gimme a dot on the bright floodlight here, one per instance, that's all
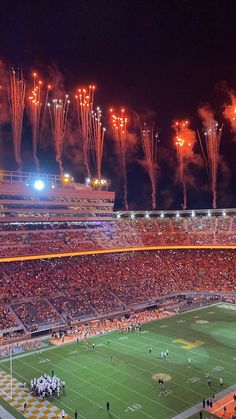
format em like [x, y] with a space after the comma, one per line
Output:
[39, 185]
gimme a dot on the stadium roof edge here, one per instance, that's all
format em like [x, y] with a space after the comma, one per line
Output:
[160, 213]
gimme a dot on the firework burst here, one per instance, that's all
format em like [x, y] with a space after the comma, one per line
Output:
[149, 143]
[58, 110]
[17, 105]
[97, 139]
[184, 141]
[212, 135]
[230, 110]
[119, 128]
[84, 105]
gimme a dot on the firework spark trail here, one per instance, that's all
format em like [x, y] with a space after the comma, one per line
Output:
[58, 110]
[35, 105]
[230, 110]
[212, 136]
[149, 142]
[44, 108]
[38, 99]
[97, 139]
[4, 93]
[17, 104]
[184, 141]
[119, 127]
[84, 105]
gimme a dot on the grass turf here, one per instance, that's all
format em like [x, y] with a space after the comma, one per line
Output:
[121, 373]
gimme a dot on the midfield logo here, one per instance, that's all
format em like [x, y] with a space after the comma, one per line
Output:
[188, 345]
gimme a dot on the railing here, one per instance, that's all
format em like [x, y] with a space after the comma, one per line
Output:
[24, 177]
[175, 213]
[55, 180]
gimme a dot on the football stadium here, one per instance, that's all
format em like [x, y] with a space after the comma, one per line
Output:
[120, 314]
[117, 209]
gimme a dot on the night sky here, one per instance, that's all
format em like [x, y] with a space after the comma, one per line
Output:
[159, 59]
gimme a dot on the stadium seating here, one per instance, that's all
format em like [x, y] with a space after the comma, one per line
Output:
[47, 292]
[119, 233]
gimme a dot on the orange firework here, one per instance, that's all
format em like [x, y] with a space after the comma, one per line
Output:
[84, 105]
[230, 110]
[119, 128]
[58, 110]
[212, 136]
[17, 105]
[97, 139]
[36, 99]
[149, 142]
[184, 141]
[35, 105]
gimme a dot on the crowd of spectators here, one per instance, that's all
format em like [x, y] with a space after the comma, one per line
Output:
[10, 343]
[63, 290]
[119, 233]
[7, 319]
[128, 323]
[36, 313]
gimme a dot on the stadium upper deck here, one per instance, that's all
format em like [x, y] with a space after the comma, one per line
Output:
[44, 215]
[30, 197]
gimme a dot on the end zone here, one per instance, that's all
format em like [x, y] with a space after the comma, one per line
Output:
[227, 402]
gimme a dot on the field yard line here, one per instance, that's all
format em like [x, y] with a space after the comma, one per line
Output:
[210, 344]
[170, 370]
[219, 408]
[64, 404]
[68, 407]
[225, 336]
[199, 308]
[24, 354]
[200, 354]
[95, 385]
[141, 369]
[134, 377]
[20, 375]
[195, 409]
[230, 337]
[148, 337]
[203, 355]
[138, 379]
[123, 385]
[48, 348]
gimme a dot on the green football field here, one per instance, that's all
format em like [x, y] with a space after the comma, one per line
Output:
[123, 372]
